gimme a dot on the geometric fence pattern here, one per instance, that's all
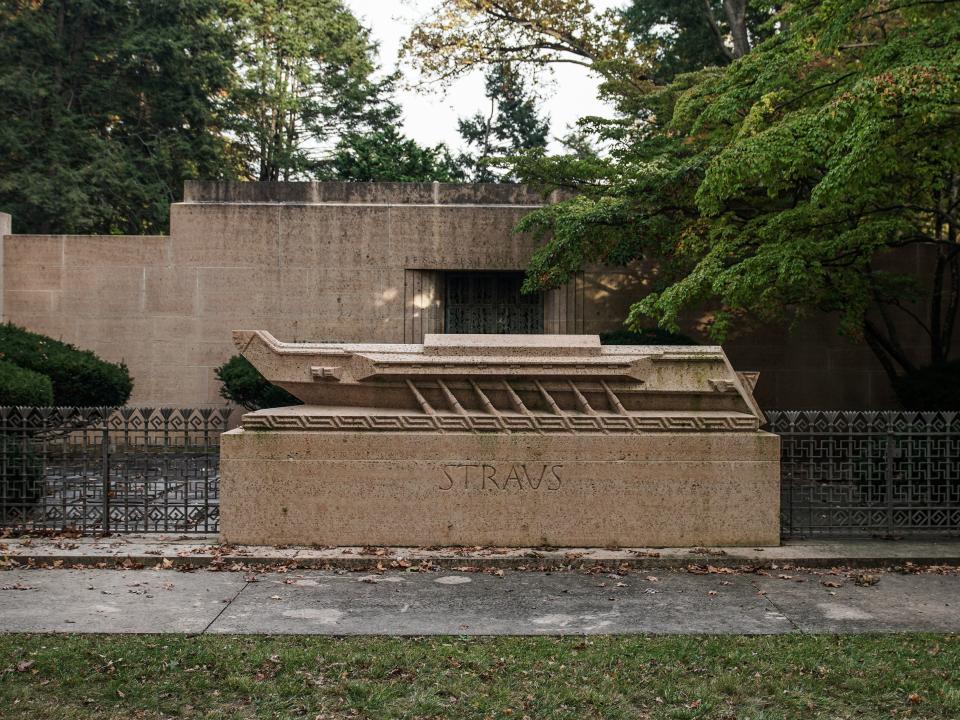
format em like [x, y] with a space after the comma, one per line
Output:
[101, 470]
[885, 473]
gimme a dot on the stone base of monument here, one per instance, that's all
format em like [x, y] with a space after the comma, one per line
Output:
[424, 489]
[505, 440]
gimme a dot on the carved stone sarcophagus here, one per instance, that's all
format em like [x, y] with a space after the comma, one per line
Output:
[500, 440]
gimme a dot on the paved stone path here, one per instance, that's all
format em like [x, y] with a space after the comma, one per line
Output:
[529, 603]
[198, 550]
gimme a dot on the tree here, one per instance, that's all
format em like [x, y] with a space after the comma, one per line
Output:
[243, 384]
[108, 106]
[386, 155]
[510, 127]
[460, 35]
[376, 150]
[694, 34]
[578, 142]
[305, 69]
[789, 182]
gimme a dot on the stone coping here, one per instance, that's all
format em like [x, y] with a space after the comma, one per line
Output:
[392, 193]
[201, 550]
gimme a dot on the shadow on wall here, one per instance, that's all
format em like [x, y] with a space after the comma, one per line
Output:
[809, 366]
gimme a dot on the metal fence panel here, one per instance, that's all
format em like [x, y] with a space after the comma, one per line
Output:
[99, 470]
[96, 470]
[884, 473]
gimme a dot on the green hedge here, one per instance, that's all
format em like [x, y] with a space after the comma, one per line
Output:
[244, 385]
[78, 377]
[19, 386]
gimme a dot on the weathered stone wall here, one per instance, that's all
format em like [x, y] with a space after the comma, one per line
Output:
[350, 262]
[5, 229]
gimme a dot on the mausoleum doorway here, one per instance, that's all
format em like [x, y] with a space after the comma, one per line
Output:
[483, 302]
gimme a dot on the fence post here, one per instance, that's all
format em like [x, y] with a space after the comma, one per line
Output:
[105, 474]
[891, 454]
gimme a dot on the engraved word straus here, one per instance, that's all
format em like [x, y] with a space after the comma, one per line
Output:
[517, 477]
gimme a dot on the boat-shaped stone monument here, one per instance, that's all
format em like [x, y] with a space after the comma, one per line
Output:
[505, 440]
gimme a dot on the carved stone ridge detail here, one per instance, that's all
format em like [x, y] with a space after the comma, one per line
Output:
[326, 373]
[723, 386]
[488, 423]
[501, 383]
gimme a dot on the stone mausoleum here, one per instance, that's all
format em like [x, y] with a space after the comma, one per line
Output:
[376, 262]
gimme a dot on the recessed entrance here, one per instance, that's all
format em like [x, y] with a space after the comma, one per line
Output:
[490, 303]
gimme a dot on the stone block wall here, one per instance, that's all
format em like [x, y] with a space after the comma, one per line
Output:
[348, 262]
[6, 228]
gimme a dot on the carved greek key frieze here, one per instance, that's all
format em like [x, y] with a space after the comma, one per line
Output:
[493, 424]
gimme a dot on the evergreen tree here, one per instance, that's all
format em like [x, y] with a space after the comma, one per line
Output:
[305, 69]
[578, 143]
[108, 105]
[386, 155]
[512, 126]
[376, 150]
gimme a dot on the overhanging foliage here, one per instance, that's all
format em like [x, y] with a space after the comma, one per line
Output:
[793, 180]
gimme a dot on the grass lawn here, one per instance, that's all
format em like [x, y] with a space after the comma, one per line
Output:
[153, 676]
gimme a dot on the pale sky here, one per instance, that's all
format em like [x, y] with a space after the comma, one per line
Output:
[431, 117]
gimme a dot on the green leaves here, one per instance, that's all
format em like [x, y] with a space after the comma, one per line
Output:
[243, 384]
[383, 154]
[511, 127]
[67, 376]
[304, 71]
[108, 106]
[793, 180]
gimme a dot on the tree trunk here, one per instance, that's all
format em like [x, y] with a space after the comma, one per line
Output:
[736, 11]
[886, 346]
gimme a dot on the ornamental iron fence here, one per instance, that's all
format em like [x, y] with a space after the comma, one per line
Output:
[886, 473]
[103, 470]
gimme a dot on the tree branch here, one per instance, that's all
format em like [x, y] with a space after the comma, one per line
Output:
[715, 28]
[890, 348]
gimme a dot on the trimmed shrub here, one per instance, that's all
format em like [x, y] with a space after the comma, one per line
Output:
[21, 470]
[78, 377]
[935, 387]
[646, 336]
[244, 385]
[19, 386]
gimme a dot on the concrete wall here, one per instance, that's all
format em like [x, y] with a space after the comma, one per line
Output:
[6, 228]
[350, 262]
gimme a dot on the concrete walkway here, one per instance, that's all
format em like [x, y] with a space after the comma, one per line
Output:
[202, 550]
[714, 600]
